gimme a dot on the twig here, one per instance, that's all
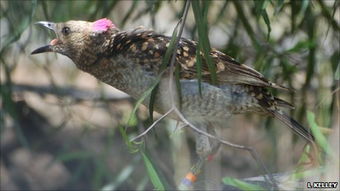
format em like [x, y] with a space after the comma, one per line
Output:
[249, 149]
[151, 126]
[179, 126]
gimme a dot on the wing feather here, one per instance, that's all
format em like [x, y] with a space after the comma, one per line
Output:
[148, 48]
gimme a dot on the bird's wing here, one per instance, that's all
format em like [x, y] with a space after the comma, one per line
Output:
[148, 48]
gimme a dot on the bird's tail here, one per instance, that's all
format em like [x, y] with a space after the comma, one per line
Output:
[292, 124]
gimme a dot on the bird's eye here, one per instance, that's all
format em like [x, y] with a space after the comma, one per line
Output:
[65, 30]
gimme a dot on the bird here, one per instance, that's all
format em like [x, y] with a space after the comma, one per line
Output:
[130, 60]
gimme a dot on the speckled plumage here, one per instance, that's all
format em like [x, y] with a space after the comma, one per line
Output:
[130, 61]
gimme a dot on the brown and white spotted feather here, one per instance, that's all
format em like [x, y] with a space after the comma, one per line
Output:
[147, 49]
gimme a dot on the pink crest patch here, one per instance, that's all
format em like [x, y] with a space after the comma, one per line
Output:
[102, 25]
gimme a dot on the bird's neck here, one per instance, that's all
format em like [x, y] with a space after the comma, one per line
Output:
[114, 68]
[89, 54]
[121, 73]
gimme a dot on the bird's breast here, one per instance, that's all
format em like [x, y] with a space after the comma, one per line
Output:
[212, 104]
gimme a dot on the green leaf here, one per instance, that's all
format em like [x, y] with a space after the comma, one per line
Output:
[178, 84]
[155, 179]
[298, 175]
[165, 63]
[200, 14]
[132, 147]
[337, 73]
[129, 13]
[242, 185]
[279, 5]
[19, 15]
[319, 137]
[74, 155]
[301, 46]
[222, 11]
[246, 24]
[334, 59]
[133, 120]
[260, 8]
[123, 175]
[304, 6]
[199, 70]
[140, 101]
[267, 21]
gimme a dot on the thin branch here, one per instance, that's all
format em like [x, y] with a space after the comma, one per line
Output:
[151, 126]
[180, 115]
[252, 151]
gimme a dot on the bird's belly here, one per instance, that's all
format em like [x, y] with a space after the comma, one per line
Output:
[213, 104]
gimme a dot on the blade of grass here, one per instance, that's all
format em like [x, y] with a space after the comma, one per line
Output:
[129, 13]
[198, 69]
[242, 185]
[178, 84]
[153, 175]
[19, 17]
[69, 156]
[301, 46]
[294, 6]
[298, 175]
[267, 21]
[99, 172]
[337, 73]
[109, 8]
[131, 146]
[9, 105]
[140, 101]
[246, 24]
[310, 21]
[221, 12]
[319, 137]
[165, 63]
[260, 8]
[142, 184]
[326, 13]
[122, 176]
[200, 14]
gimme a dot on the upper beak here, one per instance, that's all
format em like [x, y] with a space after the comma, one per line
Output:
[47, 48]
[46, 24]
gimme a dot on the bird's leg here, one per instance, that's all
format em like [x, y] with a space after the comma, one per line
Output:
[214, 144]
[205, 149]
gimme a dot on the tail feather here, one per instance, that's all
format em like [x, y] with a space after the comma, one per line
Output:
[283, 103]
[292, 124]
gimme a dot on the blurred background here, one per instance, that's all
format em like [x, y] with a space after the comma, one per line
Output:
[63, 129]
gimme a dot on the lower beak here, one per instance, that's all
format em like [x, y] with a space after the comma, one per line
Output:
[47, 48]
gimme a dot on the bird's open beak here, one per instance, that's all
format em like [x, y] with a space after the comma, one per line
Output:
[47, 48]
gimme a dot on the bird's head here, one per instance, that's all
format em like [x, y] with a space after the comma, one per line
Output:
[79, 40]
